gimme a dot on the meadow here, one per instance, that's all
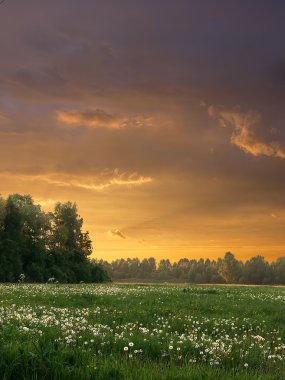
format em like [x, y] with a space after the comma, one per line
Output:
[111, 331]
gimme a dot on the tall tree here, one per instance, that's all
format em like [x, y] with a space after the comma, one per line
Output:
[67, 229]
[230, 268]
[27, 225]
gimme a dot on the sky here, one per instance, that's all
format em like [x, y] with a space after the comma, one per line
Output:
[163, 120]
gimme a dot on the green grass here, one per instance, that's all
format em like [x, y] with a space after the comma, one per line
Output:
[141, 332]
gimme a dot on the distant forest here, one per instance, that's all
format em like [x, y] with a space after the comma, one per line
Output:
[44, 247]
[227, 270]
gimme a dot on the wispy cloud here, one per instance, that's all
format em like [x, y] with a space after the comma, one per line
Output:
[99, 182]
[116, 233]
[244, 135]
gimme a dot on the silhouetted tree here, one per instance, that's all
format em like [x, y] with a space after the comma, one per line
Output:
[278, 271]
[257, 271]
[230, 268]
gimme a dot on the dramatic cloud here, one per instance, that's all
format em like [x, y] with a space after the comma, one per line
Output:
[244, 135]
[97, 118]
[116, 232]
[81, 96]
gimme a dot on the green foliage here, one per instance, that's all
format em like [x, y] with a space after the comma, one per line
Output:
[10, 260]
[44, 245]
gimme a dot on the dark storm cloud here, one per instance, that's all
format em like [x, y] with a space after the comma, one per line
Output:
[65, 48]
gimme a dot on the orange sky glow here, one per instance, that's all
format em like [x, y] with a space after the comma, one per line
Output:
[165, 126]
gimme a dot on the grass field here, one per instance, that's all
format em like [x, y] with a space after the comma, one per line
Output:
[141, 332]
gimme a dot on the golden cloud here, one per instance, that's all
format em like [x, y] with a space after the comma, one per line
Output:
[45, 202]
[99, 118]
[90, 118]
[244, 135]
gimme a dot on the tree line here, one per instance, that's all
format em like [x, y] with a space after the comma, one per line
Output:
[223, 270]
[37, 246]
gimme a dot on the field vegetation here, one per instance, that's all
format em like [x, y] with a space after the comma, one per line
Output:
[109, 331]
